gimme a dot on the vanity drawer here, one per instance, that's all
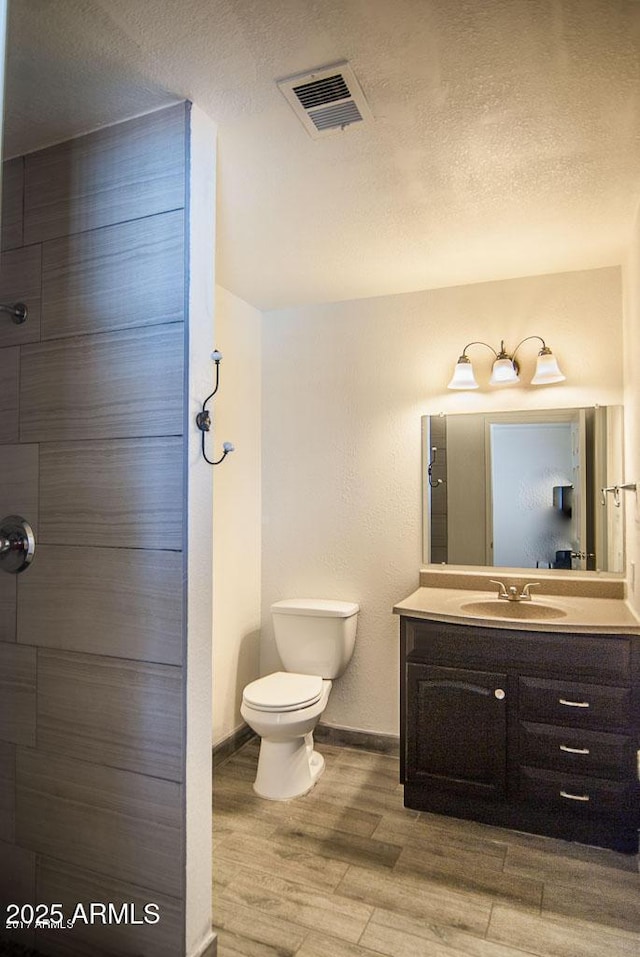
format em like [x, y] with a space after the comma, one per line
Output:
[573, 704]
[605, 659]
[577, 751]
[581, 794]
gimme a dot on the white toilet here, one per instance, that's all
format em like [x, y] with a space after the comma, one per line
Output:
[315, 639]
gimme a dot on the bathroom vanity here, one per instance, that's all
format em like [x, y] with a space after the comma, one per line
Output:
[523, 722]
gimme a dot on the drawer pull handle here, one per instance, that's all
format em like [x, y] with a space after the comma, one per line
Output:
[574, 797]
[564, 747]
[573, 704]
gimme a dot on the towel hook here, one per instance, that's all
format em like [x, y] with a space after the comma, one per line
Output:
[434, 455]
[203, 418]
[615, 491]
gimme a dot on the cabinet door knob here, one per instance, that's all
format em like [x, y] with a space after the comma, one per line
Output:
[500, 694]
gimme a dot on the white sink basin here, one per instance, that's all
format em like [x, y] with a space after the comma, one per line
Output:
[522, 610]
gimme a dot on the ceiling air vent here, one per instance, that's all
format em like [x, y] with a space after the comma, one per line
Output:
[327, 100]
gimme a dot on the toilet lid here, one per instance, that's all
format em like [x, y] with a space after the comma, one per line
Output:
[283, 691]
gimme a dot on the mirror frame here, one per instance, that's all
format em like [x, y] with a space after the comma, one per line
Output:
[557, 414]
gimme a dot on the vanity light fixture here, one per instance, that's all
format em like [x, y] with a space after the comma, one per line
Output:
[505, 369]
[18, 312]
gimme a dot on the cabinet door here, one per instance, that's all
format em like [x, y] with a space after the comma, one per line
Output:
[456, 729]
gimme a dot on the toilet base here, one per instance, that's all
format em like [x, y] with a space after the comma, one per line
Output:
[287, 769]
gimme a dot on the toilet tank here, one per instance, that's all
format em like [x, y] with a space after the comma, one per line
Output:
[315, 636]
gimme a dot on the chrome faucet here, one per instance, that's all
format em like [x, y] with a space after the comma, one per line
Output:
[511, 594]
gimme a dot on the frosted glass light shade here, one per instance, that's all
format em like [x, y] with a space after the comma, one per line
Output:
[463, 377]
[503, 373]
[547, 369]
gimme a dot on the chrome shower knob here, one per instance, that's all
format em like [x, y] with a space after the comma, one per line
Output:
[17, 544]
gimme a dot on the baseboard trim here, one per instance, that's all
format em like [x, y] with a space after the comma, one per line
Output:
[208, 949]
[360, 740]
[224, 749]
[324, 733]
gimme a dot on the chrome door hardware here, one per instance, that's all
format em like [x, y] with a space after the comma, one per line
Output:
[17, 544]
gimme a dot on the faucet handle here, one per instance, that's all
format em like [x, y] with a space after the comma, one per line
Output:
[501, 586]
[525, 591]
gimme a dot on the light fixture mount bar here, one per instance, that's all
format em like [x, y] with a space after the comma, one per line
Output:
[476, 342]
[505, 368]
[545, 351]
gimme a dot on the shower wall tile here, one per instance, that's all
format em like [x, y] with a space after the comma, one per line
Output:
[59, 882]
[8, 588]
[12, 199]
[438, 531]
[9, 378]
[118, 173]
[438, 555]
[21, 281]
[7, 792]
[17, 886]
[19, 482]
[104, 601]
[126, 492]
[17, 874]
[89, 707]
[17, 693]
[18, 496]
[125, 825]
[131, 274]
[126, 383]
[92, 637]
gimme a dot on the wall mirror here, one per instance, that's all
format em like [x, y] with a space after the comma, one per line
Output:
[523, 489]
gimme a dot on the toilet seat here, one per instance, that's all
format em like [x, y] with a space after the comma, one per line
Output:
[283, 691]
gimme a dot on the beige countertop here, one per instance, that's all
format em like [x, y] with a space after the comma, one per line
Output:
[581, 614]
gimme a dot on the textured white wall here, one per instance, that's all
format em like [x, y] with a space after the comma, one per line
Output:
[236, 510]
[632, 410]
[198, 659]
[344, 386]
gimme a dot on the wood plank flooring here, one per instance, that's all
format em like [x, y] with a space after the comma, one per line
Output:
[347, 871]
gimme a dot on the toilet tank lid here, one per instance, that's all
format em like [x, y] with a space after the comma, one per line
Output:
[318, 607]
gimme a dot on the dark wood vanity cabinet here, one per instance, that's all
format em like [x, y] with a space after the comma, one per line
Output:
[465, 711]
[530, 730]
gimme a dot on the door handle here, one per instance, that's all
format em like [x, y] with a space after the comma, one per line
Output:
[564, 747]
[573, 704]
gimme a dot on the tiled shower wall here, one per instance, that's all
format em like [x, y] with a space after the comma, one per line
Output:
[438, 493]
[92, 635]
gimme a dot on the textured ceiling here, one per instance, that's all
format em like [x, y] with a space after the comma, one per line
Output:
[505, 141]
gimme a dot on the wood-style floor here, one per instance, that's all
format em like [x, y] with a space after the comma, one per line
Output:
[347, 871]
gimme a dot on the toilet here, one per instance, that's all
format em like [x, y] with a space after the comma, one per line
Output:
[315, 639]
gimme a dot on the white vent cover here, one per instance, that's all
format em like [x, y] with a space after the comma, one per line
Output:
[327, 100]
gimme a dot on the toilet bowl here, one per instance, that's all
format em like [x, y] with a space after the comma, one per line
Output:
[315, 639]
[288, 766]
